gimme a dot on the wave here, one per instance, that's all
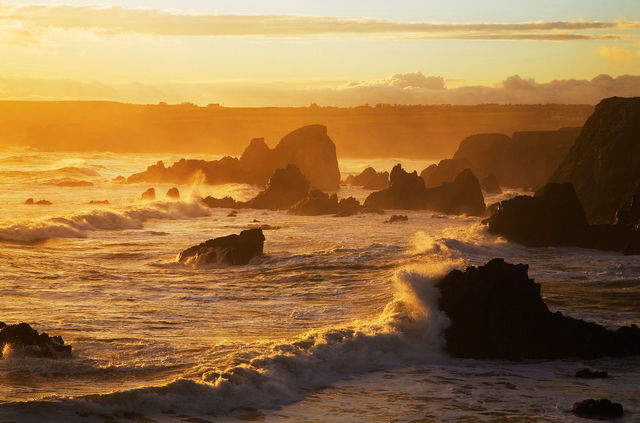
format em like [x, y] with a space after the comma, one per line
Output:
[78, 226]
[409, 331]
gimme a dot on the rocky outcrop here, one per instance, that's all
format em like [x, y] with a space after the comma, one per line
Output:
[604, 163]
[27, 341]
[445, 171]
[369, 179]
[149, 195]
[496, 312]
[309, 148]
[30, 201]
[232, 249]
[319, 203]
[490, 184]
[555, 217]
[526, 160]
[596, 409]
[173, 193]
[408, 192]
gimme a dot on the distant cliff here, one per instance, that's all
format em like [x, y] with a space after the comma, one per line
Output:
[604, 163]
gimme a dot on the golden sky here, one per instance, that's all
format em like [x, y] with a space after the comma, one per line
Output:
[254, 53]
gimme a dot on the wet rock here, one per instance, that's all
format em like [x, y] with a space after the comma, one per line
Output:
[370, 179]
[224, 203]
[397, 218]
[490, 184]
[497, 312]
[149, 195]
[629, 215]
[29, 342]
[285, 188]
[445, 171]
[590, 374]
[231, 249]
[173, 193]
[591, 408]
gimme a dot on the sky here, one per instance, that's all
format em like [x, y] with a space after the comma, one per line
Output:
[298, 52]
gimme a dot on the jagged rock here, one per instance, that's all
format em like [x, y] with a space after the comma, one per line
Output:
[308, 148]
[370, 179]
[591, 408]
[173, 193]
[604, 163]
[408, 192]
[490, 184]
[319, 203]
[149, 195]
[285, 188]
[30, 342]
[232, 249]
[397, 218]
[445, 171]
[497, 312]
[589, 374]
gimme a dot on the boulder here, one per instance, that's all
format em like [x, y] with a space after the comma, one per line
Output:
[490, 184]
[590, 374]
[232, 249]
[445, 171]
[602, 408]
[496, 312]
[173, 193]
[149, 195]
[29, 342]
[370, 179]
[319, 203]
[604, 162]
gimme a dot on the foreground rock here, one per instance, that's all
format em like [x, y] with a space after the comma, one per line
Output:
[28, 341]
[408, 192]
[497, 312]
[555, 217]
[309, 148]
[604, 163]
[369, 179]
[231, 249]
[597, 408]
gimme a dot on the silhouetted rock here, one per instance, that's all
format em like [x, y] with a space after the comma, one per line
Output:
[308, 148]
[43, 202]
[589, 374]
[604, 163]
[319, 203]
[29, 201]
[591, 408]
[490, 184]
[28, 341]
[555, 217]
[149, 195]
[629, 215]
[232, 249]
[408, 192]
[232, 213]
[497, 312]
[74, 183]
[99, 202]
[285, 188]
[526, 160]
[173, 193]
[370, 179]
[397, 218]
[445, 171]
[225, 202]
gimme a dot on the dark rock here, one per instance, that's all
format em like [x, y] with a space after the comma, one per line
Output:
[99, 202]
[29, 201]
[589, 374]
[173, 193]
[224, 203]
[319, 203]
[43, 202]
[408, 192]
[370, 179]
[445, 171]
[490, 184]
[74, 183]
[397, 218]
[629, 215]
[497, 312]
[285, 188]
[232, 249]
[232, 213]
[149, 195]
[591, 408]
[30, 342]
[309, 148]
[604, 163]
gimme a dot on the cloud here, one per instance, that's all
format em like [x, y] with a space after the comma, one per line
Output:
[404, 80]
[617, 55]
[119, 20]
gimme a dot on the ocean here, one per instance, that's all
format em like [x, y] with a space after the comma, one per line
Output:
[336, 323]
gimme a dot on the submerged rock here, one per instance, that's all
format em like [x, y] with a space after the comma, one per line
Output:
[28, 341]
[231, 249]
[590, 374]
[591, 408]
[173, 193]
[149, 195]
[370, 179]
[497, 312]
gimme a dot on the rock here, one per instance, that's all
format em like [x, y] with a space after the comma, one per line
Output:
[604, 163]
[497, 312]
[629, 215]
[173, 193]
[408, 192]
[555, 217]
[232, 249]
[74, 183]
[319, 203]
[224, 203]
[26, 339]
[397, 218]
[232, 213]
[589, 374]
[29, 201]
[591, 408]
[43, 202]
[99, 202]
[526, 160]
[370, 179]
[308, 148]
[445, 171]
[285, 188]
[149, 195]
[490, 184]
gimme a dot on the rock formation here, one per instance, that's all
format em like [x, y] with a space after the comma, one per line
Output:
[309, 148]
[319, 203]
[604, 163]
[369, 179]
[231, 249]
[29, 342]
[602, 408]
[490, 184]
[408, 192]
[173, 193]
[149, 195]
[497, 312]
[445, 171]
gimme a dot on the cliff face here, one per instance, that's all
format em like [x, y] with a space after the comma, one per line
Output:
[604, 163]
[526, 160]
